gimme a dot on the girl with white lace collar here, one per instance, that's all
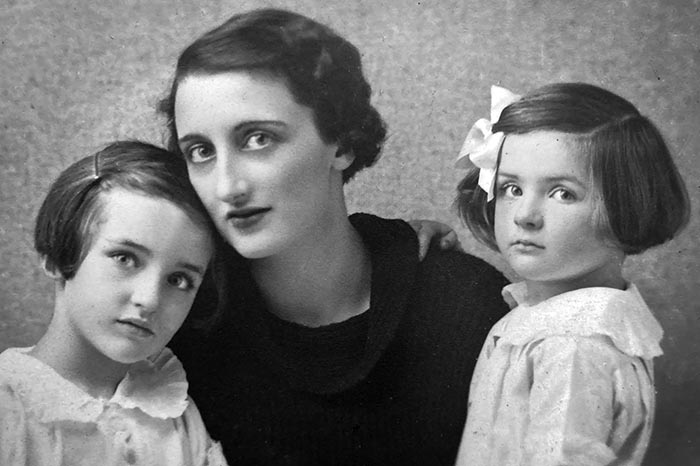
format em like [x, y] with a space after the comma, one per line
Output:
[565, 182]
[127, 241]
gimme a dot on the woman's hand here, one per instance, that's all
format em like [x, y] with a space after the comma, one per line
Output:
[435, 233]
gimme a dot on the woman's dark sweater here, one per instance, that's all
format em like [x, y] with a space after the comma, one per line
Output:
[389, 386]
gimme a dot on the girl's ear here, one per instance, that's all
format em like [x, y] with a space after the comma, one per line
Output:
[50, 270]
[343, 159]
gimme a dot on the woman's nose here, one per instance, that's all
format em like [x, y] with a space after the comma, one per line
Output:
[529, 214]
[232, 185]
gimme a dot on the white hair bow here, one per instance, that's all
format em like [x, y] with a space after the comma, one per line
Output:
[481, 146]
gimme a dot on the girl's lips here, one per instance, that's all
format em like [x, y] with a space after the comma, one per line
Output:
[526, 246]
[135, 327]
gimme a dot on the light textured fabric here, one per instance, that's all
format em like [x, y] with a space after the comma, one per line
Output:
[568, 381]
[46, 420]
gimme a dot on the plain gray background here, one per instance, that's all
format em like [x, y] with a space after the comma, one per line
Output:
[75, 75]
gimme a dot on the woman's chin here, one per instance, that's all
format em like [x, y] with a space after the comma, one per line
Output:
[253, 248]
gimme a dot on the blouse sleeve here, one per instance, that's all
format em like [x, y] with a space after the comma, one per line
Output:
[205, 451]
[571, 402]
[13, 442]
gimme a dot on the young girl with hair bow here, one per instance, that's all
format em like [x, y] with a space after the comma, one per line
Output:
[566, 182]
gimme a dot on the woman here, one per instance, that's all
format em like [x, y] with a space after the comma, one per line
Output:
[336, 346]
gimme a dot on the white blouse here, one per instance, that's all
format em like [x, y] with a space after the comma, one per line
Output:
[568, 381]
[46, 420]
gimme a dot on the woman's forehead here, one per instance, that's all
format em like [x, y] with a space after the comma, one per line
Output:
[206, 102]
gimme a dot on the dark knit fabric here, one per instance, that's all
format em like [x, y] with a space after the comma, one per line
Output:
[389, 386]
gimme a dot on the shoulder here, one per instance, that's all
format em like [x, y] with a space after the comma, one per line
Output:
[10, 387]
[619, 315]
[11, 403]
[13, 411]
[194, 427]
[460, 274]
[564, 364]
[593, 353]
[22, 381]
[13, 426]
[458, 262]
[203, 449]
[16, 367]
[10, 399]
[460, 292]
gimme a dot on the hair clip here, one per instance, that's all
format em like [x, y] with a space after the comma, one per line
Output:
[96, 166]
[481, 146]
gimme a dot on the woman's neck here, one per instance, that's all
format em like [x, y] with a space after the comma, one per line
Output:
[326, 280]
[76, 360]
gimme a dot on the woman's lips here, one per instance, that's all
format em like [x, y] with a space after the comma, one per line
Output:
[246, 218]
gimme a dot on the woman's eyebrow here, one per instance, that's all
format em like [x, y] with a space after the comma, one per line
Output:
[191, 267]
[190, 137]
[239, 127]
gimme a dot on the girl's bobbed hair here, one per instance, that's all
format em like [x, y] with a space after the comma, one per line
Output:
[322, 70]
[644, 199]
[71, 211]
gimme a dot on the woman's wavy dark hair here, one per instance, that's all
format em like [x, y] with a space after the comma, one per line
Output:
[644, 200]
[322, 69]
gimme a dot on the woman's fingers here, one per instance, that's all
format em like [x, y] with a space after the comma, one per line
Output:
[430, 231]
[450, 242]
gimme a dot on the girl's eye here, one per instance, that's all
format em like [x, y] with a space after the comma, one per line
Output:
[181, 281]
[563, 195]
[199, 153]
[257, 141]
[510, 190]
[124, 259]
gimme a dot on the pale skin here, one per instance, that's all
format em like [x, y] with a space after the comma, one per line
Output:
[545, 215]
[274, 189]
[130, 294]
[251, 146]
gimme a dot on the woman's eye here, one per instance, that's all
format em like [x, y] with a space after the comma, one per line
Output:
[510, 190]
[181, 282]
[257, 141]
[199, 153]
[124, 259]
[563, 195]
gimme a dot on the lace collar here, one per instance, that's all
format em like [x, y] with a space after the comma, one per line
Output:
[157, 386]
[621, 315]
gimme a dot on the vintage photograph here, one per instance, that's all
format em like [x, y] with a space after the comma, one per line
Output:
[372, 232]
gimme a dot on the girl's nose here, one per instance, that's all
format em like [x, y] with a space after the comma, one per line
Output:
[232, 185]
[147, 291]
[529, 214]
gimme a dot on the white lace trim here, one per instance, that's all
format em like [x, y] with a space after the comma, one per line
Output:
[157, 386]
